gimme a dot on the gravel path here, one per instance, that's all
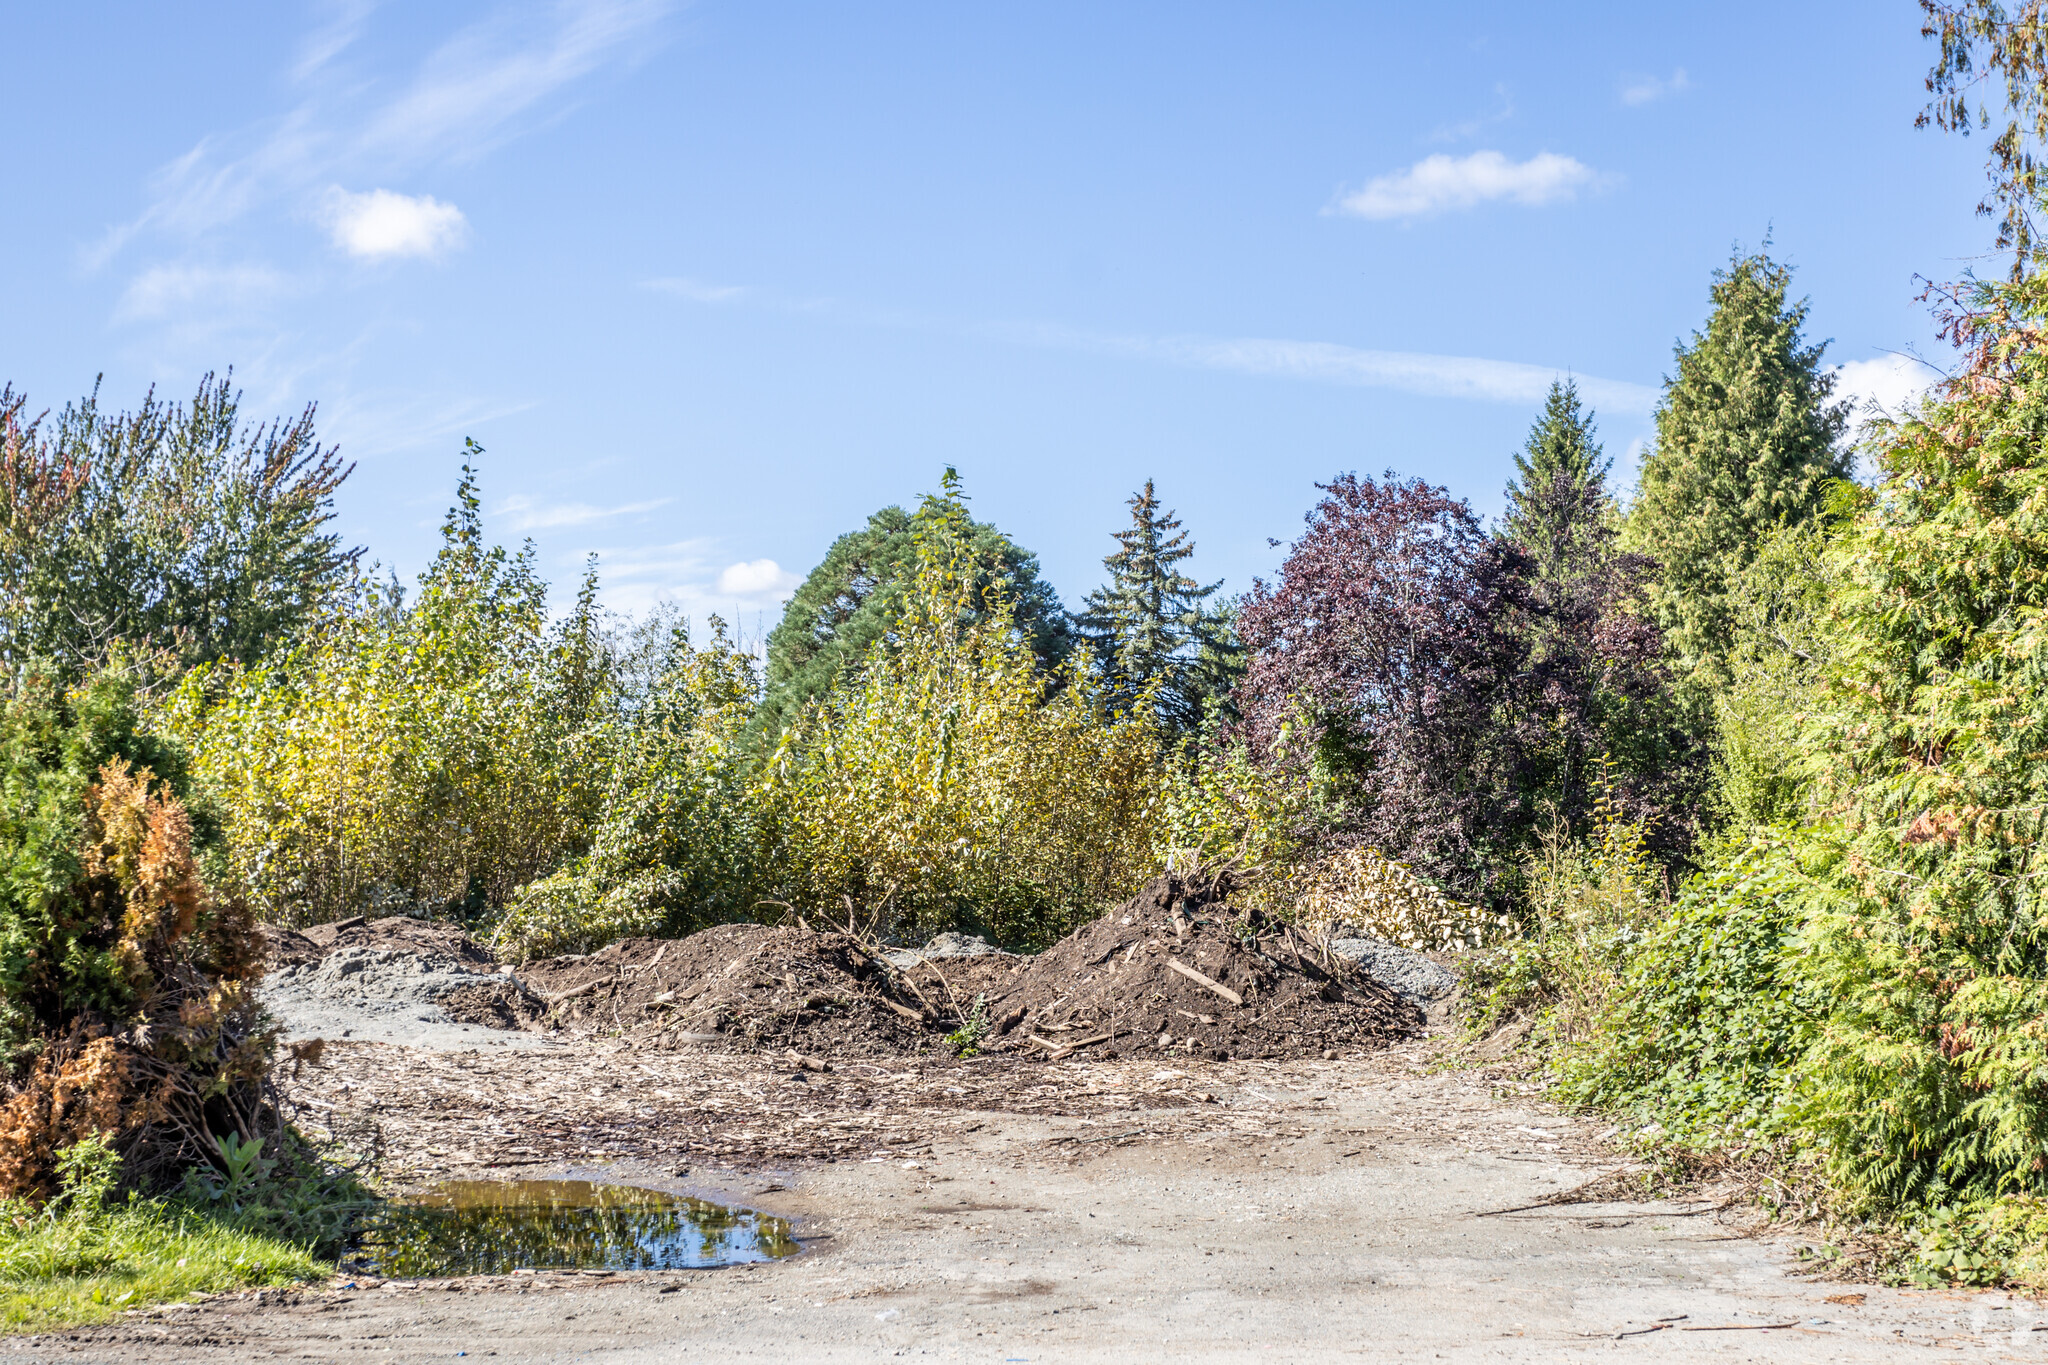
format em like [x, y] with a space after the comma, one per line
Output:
[1303, 1211]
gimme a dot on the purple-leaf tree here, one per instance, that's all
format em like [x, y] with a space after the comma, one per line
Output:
[1383, 654]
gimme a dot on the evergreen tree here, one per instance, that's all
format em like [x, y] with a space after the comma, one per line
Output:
[1557, 474]
[1746, 442]
[1149, 624]
[848, 602]
[1588, 706]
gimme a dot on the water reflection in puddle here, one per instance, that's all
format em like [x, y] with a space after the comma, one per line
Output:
[491, 1227]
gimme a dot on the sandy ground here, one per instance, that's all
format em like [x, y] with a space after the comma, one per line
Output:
[1304, 1211]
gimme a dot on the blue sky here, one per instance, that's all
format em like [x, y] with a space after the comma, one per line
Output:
[712, 282]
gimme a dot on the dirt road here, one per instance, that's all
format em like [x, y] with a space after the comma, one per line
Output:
[1307, 1211]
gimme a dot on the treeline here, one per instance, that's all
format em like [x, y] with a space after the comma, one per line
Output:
[1743, 769]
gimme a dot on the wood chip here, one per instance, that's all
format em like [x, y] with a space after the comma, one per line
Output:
[1191, 974]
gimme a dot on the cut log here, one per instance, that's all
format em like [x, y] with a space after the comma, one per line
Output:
[1191, 974]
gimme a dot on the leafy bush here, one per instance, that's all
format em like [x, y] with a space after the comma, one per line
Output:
[1591, 904]
[677, 843]
[430, 757]
[951, 783]
[172, 528]
[1711, 1016]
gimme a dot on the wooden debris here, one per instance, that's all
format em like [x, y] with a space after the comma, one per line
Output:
[1191, 974]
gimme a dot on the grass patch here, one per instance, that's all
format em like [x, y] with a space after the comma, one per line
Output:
[85, 1256]
[70, 1266]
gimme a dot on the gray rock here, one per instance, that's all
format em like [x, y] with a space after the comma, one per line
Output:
[948, 944]
[1407, 974]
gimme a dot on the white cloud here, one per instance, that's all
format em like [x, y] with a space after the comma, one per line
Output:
[1649, 89]
[177, 291]
[384, 223]
[634, 579]
[1441, 182]
[1888, 384]
[530, 514]
[758, 578]
[695, 290]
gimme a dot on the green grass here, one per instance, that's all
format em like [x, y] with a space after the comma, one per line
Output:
[68, 1268]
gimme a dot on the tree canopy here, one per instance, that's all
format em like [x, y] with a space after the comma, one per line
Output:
[849, 601]
[1747, 441]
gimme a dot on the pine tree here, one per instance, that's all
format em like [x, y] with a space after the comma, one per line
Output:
[1557, 474]
[1149, 624]
[1746, 442]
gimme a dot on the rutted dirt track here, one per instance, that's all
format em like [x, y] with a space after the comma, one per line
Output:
[1065, 1211]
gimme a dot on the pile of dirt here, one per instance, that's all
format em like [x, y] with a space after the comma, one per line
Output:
[1177, 971]
[1174, 972]
[756, 987]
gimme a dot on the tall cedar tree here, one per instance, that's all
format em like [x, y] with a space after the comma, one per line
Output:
[1149, 626]
[170, 528]
[1746, 442]
[1592, 703]
[1377, 664]
[848, 602]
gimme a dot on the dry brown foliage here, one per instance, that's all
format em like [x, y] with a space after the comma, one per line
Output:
[193, 1060]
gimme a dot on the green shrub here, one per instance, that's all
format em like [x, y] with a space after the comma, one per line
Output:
[426, 758]
[677, 844]
[126, 1004]
[949, 782]
[1711, 1015]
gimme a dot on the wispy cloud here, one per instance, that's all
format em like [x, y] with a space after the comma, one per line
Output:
[1473, 127]
[344, 24]
[474, 90]
[1438, 183]
[696, 290]
[1641, 90]
[485, 84]
[1441, 376]
[165, 291]
[382, 223]
[531, 514]
[1419, 372]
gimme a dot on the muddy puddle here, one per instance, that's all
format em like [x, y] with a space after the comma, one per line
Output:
[493, 1227]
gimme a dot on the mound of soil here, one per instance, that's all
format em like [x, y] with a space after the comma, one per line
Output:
[1175, 970]
[755, 987]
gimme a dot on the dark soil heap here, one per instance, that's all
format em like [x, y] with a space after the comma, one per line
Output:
[755, 986]
[1176, 970]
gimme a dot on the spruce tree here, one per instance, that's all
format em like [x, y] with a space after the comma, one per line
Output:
[1747, 441]
[1557, 474]
[1149, 624]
